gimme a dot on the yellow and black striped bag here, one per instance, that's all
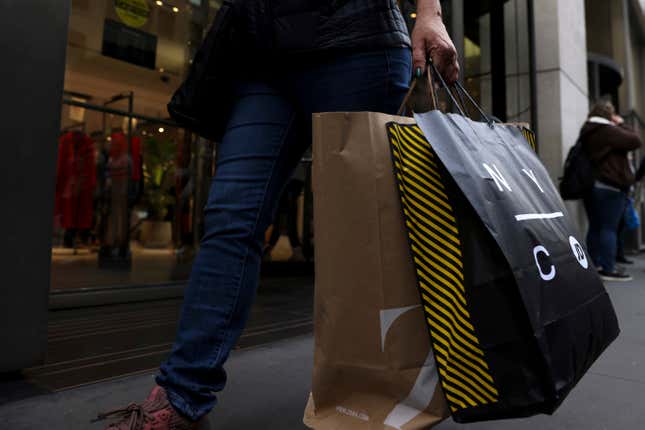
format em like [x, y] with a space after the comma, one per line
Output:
[449, 278]
[516, 312]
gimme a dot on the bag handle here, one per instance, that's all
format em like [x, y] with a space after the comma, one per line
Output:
[461, 91]
[413, 87]
[433, 75]
[431, 90]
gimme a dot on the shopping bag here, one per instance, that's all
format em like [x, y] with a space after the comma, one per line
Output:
[516, 312]
[373, 365]
[632, 220]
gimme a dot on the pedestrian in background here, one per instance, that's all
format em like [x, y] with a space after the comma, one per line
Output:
[351, 55]
[607, 142]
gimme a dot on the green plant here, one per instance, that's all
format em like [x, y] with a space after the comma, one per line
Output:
[159, 176]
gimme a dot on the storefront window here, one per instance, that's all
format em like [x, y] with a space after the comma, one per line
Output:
[128, 180]
[130, 184]
[497, 58]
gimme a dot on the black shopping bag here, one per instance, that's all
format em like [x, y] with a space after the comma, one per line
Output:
[516, 311]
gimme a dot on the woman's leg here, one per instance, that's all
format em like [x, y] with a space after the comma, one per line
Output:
[609, 207]
[620, 238]
[254, 161]
[593, 229]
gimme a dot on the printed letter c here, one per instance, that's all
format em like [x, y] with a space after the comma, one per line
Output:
[546, 276]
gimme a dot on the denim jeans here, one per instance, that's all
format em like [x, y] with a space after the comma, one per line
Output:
[605, 208]
[267, 134]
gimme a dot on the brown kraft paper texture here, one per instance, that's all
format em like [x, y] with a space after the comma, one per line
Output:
[373, 366]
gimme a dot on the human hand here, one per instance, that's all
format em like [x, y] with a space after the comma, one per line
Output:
[430, 39]
[617, 119]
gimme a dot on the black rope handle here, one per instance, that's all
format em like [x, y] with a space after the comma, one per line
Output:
[461, 92]
[445, 87]
[433, 75]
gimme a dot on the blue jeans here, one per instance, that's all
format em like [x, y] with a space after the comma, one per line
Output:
[267, 134]
[605, 208]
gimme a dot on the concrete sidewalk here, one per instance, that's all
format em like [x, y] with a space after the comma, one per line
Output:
[269, 386]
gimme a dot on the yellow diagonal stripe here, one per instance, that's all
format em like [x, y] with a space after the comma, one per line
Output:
[436, 181]
[436, 251]
[431, 223]
[466, 347]
[437, 247]
[456, 368]
[442, 284]
[448, 305]
[417, 168]
[530, 137]
[474, 372]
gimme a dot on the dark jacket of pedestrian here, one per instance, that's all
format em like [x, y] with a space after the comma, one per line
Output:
[607, 146]
[298, 26]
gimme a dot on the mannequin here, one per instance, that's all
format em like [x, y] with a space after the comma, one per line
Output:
[75, 183]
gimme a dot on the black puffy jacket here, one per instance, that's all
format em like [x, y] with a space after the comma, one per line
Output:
[301, 26]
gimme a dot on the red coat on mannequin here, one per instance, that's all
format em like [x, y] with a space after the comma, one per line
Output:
[75, 182]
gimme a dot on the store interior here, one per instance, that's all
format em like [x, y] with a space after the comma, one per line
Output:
[130, 184]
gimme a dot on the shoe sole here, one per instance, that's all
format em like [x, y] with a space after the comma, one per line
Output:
[612, 279]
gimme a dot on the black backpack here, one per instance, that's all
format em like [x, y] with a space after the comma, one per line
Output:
[579, 176]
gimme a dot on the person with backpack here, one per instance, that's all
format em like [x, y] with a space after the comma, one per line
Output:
[606, 142]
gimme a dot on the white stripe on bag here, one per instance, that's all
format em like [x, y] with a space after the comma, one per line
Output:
[527, 217]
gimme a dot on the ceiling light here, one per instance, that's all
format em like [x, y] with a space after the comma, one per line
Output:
[413, 15]
[159, 3]
[161, 69]
[161, 130]
[175, 9]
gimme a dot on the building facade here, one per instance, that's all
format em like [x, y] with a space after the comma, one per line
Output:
[107, 190]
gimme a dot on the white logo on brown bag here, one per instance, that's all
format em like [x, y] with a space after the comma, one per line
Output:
[424, 387]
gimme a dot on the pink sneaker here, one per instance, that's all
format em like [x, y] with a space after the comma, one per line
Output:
[155, 413]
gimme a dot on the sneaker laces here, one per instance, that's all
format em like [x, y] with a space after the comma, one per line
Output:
[134, 415]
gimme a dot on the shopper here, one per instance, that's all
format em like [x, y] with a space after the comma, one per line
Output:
[351, 55]
[607, 142]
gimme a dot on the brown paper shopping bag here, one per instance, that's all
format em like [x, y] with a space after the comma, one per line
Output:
[373, 366]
